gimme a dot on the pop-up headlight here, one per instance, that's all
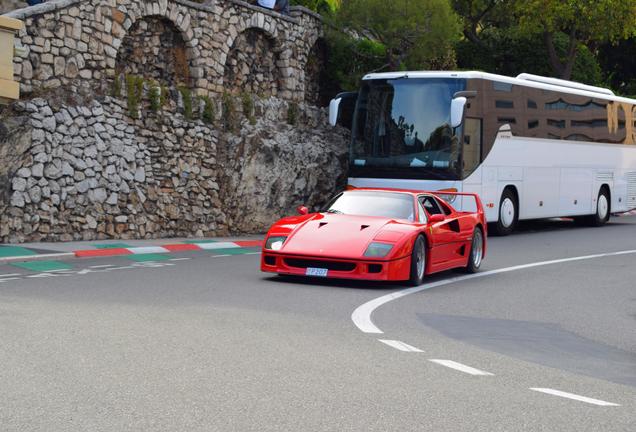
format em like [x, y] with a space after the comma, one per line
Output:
[378, 250]
[275, 242]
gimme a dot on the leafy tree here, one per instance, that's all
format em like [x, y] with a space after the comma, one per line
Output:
[619, 64]
[320, 6]
[479, 16]
[415, 33]
[508, 52]
[587, 22]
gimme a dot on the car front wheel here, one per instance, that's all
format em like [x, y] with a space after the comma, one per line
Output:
[418, 262]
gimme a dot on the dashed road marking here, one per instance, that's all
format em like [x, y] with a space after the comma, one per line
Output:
[220, 256]
[573, 396]
[179, 259]
[102, 266]
[361, 317]
[399, 345]
[461, 367]
[10, 275]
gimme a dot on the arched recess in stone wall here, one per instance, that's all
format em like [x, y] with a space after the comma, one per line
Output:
[316, 82]
[155, 49]
[253, 64]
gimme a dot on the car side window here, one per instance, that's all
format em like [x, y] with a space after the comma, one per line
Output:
[431, 205]
[447, 211]
[422, 214]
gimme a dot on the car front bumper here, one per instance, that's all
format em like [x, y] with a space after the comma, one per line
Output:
[337, 268]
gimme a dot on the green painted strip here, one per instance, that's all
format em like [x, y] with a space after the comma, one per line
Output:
[111, 245]
[11, 251]
[199, 241]
[234, 251]
[43, 266]
[147, 257]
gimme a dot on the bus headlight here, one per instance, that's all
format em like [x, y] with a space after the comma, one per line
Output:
[275, 242]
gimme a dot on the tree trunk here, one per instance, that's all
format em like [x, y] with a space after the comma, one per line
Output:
[563, 69]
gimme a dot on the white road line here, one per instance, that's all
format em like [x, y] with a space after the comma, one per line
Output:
[573, 396]
[361, 317]
[9, 279]
[220, 256]
[399, 345]
[10, 275]
[461, 367]
[122, 268]
[102, 266]
[179, 259]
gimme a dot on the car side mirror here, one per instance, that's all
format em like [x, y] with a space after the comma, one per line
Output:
[302, 210]
[436, 218]
[458, 105]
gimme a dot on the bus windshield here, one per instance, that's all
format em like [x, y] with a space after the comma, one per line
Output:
[402, 126]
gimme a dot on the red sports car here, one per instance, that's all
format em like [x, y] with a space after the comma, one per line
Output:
[378, 234]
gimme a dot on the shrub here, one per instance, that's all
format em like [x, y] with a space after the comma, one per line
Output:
[293, 112]
[229, 112]
[134, 91]
[209, 111]
[186, 95]
[155, 97]
[248, 107]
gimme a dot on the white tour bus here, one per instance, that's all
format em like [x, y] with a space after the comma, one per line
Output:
[531, 147]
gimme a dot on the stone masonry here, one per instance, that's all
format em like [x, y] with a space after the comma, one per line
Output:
[67, 42]
[217, 133]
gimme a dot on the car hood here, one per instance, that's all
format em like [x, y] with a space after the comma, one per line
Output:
[335, 235]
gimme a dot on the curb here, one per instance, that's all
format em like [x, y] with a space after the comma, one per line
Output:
[42, 257]
[168, 248]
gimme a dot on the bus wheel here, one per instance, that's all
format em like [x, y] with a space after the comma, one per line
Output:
[508, 213]
[602, 214]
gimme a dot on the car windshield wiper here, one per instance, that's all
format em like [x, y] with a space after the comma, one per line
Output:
[334, 211]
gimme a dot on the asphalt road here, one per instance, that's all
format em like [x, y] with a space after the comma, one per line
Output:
[202, 343]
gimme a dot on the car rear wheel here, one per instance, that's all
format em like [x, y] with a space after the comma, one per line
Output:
[476, 251]
[418, 262]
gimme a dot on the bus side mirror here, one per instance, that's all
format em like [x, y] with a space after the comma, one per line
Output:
[458, 105]
[334, 110]
[341, 109]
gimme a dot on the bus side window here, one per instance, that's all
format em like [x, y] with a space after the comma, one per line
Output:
[472, 145]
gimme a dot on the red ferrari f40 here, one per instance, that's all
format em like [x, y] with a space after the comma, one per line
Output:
[379, 234]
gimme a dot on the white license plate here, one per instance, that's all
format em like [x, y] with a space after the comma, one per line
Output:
[321, 272]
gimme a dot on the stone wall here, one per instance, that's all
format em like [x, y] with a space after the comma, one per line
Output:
[154, 48]
[252, 65]
[237, 142]
[92, 172]
[10, 5]
[71, 42]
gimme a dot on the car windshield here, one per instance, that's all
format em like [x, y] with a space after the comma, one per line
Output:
[382, 204]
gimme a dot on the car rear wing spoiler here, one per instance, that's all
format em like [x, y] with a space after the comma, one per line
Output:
[451, 197]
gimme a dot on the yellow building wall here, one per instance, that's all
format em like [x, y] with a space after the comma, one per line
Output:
[9, 89]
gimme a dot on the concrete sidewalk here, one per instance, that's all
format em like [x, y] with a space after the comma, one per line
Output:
[95, 248]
